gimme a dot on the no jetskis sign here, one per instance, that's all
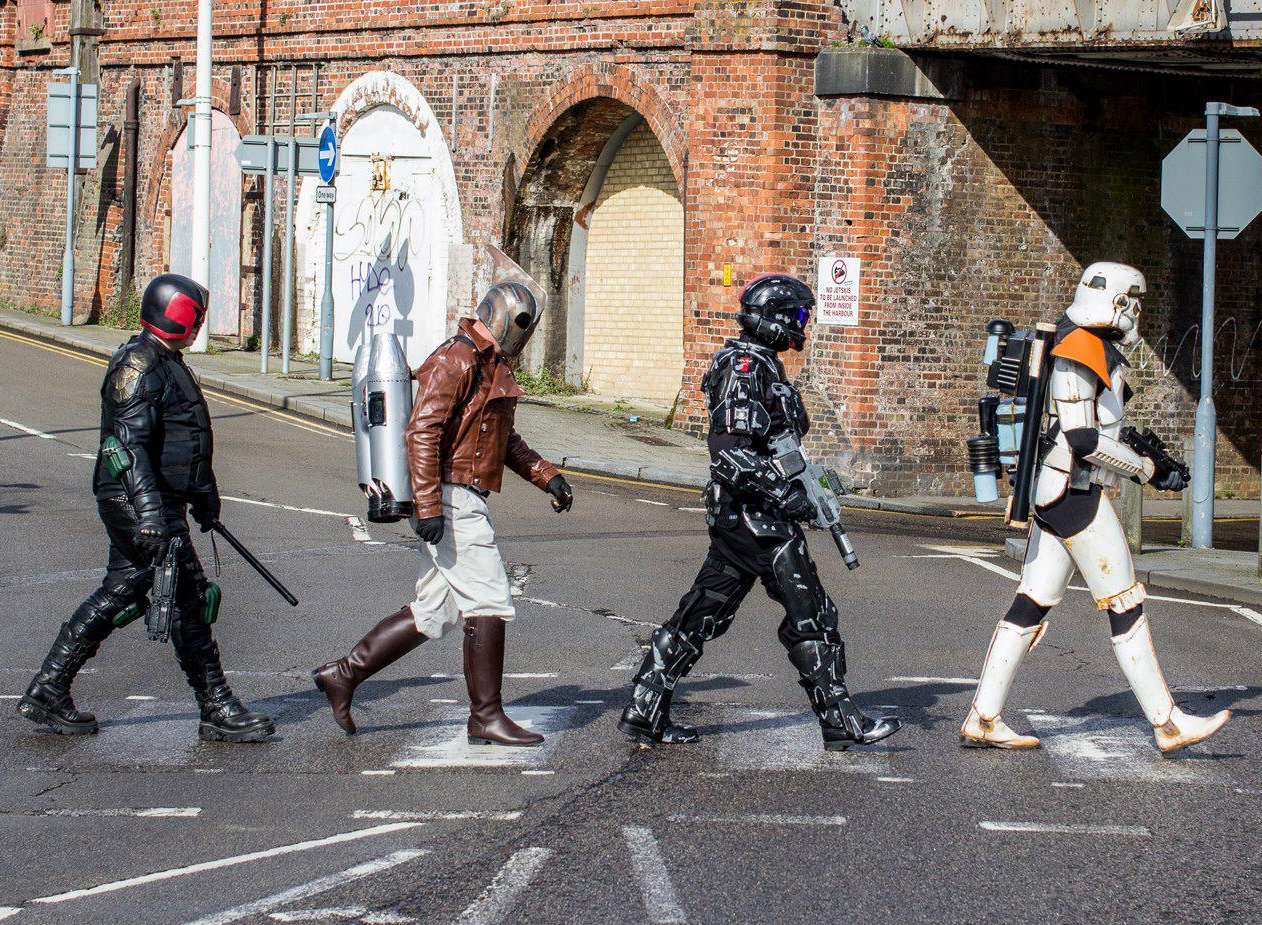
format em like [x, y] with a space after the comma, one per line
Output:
[838, 290]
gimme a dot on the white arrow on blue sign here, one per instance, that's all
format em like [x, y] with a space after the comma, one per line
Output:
[328, 154]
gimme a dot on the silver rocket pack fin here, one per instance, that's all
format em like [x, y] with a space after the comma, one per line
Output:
[387, 408]
[359, 417]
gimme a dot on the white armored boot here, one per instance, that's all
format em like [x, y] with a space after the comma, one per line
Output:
[984, 727]
[1172, 728]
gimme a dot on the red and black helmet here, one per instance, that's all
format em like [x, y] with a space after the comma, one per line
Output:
[173, 307]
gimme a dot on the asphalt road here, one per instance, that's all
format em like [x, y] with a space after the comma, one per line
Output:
[405, 823]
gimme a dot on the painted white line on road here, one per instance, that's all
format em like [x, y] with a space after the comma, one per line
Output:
[1058, 828]
[288, 507]
[156, 812]
[315, 887]
[762, 819]
[91, 456]
[897, 780]
[232, 861]
[31, 431]
[7, 912]
[992, 567]
[10, 696]
[631, 661]
[589, 701]
[444, 741]
[530, 674]
[540, 601]
[660, 901]
[140, 697]
[509, 816]
[968, 549]
[387, 772]
[500, 898]
[693, 510]
[537, 773]
[918, 679]
[359, 914]
[359, 532]
[1248, 613]
[442, 700]
[1068, 784]
[654, 503]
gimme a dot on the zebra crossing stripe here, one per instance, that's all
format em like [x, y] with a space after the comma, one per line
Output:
[660, 901]
[500, 898]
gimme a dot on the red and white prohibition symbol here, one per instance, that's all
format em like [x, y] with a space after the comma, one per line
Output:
[839, 272]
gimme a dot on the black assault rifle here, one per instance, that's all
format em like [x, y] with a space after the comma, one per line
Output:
[1149, 445]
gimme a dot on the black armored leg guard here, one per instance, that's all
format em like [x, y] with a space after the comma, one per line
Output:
[224, 718]
[47, 701]
[647, 718]
[822, 667]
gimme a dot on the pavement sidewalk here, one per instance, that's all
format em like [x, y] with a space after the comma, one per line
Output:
[601, 441]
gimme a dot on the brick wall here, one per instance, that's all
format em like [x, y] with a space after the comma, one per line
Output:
[633, 343]
[961, 210]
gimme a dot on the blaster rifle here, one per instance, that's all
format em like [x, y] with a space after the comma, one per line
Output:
[822, 486]
[1148, 444]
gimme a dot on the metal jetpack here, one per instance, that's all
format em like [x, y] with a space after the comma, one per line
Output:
[359, 420]
[386, 407]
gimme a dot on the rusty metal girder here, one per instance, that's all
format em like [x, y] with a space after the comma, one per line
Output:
[1017, 24]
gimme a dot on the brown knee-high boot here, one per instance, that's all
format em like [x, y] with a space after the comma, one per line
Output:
[484, 673]
[386, 643]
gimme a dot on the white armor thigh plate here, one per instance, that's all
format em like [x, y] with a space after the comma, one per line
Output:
[1047, 570]
[1104, 559]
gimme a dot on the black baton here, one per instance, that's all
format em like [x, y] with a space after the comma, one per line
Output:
[255, 563]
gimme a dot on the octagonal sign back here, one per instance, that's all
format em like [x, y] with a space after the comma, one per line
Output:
[1239, 184]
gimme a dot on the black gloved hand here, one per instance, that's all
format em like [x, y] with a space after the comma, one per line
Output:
[797, 505]
[430, 529]
[562, 494]
[206, 508]
[1170, 480]
[151, 536]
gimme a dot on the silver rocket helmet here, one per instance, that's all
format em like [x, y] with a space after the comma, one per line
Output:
[511, 313]
[1108, 298]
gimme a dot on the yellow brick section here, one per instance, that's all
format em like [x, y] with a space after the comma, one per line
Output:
[633, 337]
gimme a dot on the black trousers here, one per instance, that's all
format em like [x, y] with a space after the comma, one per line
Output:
[736, 560]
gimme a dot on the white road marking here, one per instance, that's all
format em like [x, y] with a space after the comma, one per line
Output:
[589, 701]
[660, 901]
[232, 861]
[27, 430]
[156, 812]
[288, 507]
[444, 743]
[654, 503]
[530, 674]
[359, 914]
[1110, 748]
[315, 887]
[388, 772]
[693, 510]
[10, 696]
[510, 816]
[537, 773]
[916, 679]
[631, 661]
[500, 898]
[1248, 613]
[91, 456]
[1068, 784]
[359, 532]
[1058, 828]
[540, 602]
[440, 699]
[140, 697]
[7, 912]
[959, 550]
[763, 819]
[780, 740]
[992, 567]
[897, 780]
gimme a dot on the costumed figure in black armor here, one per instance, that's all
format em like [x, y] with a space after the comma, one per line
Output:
[153, 468]
[754, 514]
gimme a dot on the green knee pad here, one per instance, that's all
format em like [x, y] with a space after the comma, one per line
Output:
[210, 607]
[130, 614]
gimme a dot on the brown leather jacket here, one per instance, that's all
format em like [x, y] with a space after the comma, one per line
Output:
[461, 430]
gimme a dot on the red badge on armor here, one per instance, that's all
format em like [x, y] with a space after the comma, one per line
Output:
[744, 363]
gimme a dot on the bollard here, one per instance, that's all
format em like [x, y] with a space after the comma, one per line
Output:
[1130, 509]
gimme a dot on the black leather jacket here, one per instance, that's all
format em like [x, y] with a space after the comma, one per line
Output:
[153, 405]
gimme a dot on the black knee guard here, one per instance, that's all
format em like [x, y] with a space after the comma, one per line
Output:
[1121, 623]
[1026, 612]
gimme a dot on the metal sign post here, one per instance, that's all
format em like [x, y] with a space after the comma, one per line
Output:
[269, 221]
[287, 259]
[66, 122]
[327, 194]
[1232, 174]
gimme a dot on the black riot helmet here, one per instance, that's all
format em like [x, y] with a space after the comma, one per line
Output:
[173, 307]
[774, 311]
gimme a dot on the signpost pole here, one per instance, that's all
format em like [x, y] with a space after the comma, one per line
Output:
[1203, 442]
[326, 303]
[201, 127]
[287, 260]
[269, 220]
[72, 165]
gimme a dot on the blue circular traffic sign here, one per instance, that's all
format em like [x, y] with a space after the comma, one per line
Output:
[328, 154]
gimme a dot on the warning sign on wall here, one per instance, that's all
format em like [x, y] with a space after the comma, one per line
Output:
[838, 291]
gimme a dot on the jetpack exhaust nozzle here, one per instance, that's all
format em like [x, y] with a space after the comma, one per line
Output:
[386, 408]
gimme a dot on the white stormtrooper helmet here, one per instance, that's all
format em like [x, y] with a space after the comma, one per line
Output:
[1108, 297]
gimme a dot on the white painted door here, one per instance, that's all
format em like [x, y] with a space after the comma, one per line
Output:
[225, 221]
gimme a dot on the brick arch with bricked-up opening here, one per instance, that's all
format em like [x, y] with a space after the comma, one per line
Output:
[598, 219]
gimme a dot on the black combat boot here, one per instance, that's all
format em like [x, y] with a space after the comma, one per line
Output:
[47, 700]
[647, 717]
[822, 667]
[224, 718]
